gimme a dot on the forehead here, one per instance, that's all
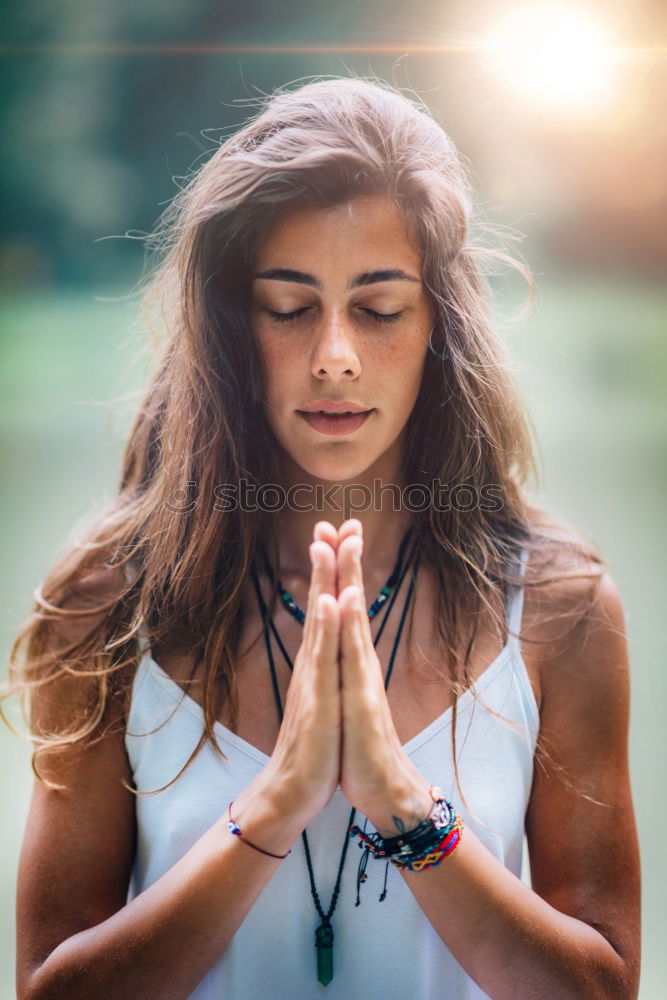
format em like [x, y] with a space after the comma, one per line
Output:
[363, 226]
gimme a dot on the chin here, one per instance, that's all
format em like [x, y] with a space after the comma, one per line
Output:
[331, 470]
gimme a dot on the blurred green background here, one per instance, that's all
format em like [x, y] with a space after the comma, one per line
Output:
[562, 125]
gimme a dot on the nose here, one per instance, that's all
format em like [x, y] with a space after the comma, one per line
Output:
[335, 353]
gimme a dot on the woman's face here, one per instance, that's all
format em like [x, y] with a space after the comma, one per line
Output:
[324, 278]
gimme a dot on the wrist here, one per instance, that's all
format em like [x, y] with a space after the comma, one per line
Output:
[265, 814]
[407, 802]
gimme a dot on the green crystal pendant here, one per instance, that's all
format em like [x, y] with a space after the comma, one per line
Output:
[324, 943]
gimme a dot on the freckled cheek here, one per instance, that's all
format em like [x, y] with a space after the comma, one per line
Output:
[282, 374]
[396, 366]
[394, 351]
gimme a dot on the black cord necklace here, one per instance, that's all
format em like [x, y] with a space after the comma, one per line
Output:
[324, 935]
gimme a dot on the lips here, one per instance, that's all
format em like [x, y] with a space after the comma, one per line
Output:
[335, 425]
[334, 406]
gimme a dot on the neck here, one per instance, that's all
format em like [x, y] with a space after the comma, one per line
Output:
[375, 499]
[382, 533]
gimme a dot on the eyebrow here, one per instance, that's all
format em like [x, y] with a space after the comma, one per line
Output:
[366, 278]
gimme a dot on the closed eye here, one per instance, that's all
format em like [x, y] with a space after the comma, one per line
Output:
[378, 317]
[285, 317]
[384, 317]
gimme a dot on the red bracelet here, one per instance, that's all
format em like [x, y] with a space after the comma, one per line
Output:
[232, 826]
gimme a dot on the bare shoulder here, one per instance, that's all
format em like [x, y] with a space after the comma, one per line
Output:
[54, 704]
[84, 602]
[570, 600]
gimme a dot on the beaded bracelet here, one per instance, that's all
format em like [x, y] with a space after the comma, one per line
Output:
[234, 828]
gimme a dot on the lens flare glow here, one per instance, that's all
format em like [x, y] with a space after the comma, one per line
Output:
[555, 55]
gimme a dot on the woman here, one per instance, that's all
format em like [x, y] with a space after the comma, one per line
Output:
[331, 430]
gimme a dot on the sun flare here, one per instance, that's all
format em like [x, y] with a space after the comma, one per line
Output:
[555, 55]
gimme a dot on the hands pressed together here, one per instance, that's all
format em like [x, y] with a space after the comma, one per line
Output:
[337, 725]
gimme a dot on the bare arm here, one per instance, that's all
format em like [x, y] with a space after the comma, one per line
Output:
[575, 933]
[77, 936]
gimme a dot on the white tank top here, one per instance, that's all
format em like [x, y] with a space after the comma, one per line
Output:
[382, 950]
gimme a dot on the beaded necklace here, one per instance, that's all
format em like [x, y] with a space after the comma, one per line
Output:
[324, 935]
[379, 601]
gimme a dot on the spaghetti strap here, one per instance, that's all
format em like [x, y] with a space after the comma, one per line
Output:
[515, 601]
[143, 640]
[131, 571]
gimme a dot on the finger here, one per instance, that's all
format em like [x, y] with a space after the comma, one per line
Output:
[356, 644]
[349, 569]
[350, 574]
[326, 642]
[326, 532]
[352, 526]
[353, 652]
[322, 581]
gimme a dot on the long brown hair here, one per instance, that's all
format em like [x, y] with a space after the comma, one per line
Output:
[202, 423]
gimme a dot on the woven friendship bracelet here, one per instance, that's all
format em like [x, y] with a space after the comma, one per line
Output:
[434, 838]
[440, 818]
[429, 860]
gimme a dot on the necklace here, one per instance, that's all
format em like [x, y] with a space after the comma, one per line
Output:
[324, 935]
[379, 601]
